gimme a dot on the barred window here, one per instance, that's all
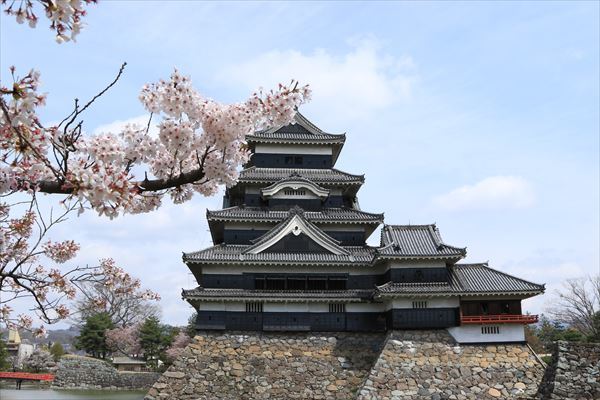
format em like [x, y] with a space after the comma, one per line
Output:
[337, 308]
[291, 192]
[490, 330]
[254, 307]
[419, 304]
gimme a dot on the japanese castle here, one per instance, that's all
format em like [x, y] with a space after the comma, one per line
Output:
[290, 254]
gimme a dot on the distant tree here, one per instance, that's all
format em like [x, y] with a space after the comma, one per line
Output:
[4, 359]
[39, 361]
[571, 335]
[190, 329]
[548, 332]
[155, 339]
[124, 340]
[595, 337]
[578, 303]
[125, 302]
[57, 351]
[179, 343]
[532, 338]
[92, 337]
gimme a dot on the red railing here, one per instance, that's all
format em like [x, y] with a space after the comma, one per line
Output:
[498, 319]
[26, 376]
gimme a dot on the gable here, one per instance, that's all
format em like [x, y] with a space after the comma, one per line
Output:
[296, 225]
[296, 244]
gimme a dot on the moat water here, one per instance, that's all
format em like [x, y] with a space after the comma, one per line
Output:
[36, 393]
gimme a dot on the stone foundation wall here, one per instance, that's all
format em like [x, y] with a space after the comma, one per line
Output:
[431, 365]
[403, 365]
[75, 372]
[270, 366]
[573, 373]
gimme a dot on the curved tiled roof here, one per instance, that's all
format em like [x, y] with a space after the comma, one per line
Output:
[357, 255]
[466, 279]
[322, 176]
[302, 131]
[287, 295]
[326, 215]
[416, 240]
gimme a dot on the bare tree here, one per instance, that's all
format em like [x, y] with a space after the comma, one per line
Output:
[578, 304]
[125, 307]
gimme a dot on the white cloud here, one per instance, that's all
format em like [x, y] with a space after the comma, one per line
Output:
[118, 125]
[353, 85]
[490, 193]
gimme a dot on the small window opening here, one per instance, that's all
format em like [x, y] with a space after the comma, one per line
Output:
[337, 308]
[254, 307]
[419, 304]
[490, 330]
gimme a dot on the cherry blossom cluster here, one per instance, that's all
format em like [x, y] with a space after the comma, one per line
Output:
[124, 340]
[64, 15]
[61, 252]
[178, 345]
[25, 273]
[200, 145]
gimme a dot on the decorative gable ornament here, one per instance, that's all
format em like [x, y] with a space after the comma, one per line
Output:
[295, 184]
[296, 224]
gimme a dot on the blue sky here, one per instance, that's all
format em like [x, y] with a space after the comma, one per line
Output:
[482, 117]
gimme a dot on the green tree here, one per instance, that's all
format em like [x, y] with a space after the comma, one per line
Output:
[190, 329]
[151, 340]
[92, 337]
[4, 363]
[571, 335]
[548, 331]
[155, 339]
[57, 351]
[595, 337]
[532, 338]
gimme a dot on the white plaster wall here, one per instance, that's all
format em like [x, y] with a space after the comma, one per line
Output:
[431, 302]
[417, 264]
[253, 190]
[248, 225]
[286, 307]
[365, 307]
[293, 149]
[222, 306]
[472, 333]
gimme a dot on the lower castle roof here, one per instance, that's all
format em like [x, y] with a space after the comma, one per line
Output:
[465, 280]
[205, 294]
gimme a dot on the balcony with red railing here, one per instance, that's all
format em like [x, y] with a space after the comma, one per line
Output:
[498, 319]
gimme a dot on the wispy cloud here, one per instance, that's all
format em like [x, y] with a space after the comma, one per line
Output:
[355, 84]
[490, 193]
[118, 125]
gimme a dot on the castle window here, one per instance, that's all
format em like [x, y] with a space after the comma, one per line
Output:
[419, 304]
[337, 283]
[298, 160]
[254, 307]
[259, 283]
[275, 284]
[291, 192]
[337, 308]
[296, 283]
[317, 283]
[490, 330]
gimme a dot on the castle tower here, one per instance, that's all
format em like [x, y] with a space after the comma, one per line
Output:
[290, 254]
